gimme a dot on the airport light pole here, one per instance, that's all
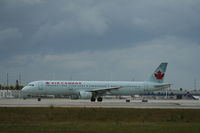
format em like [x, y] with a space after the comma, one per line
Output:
[7, 83]
[7, 80]
[19, 79]
[195, 84]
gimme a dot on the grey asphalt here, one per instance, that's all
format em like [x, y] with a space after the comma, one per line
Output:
[107, 103]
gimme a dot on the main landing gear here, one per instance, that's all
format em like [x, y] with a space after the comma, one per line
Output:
[93, 99]
[99, 99]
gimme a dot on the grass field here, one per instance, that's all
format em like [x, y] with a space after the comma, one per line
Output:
[98, 120]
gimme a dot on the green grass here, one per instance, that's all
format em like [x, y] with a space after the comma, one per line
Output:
[98, 120]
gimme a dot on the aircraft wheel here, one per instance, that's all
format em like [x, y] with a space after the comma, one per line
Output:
[93, 99]
[99, 99]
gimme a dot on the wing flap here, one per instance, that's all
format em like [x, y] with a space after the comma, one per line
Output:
[103, 90]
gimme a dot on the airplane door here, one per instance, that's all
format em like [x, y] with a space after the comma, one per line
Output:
[40, 86]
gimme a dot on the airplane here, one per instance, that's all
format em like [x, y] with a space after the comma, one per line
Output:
[94, 90]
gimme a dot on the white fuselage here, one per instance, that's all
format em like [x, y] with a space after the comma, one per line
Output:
[75, 87]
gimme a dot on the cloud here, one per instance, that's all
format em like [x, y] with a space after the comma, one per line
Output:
[136, 62]
[32, 1]
[74, 18]
[100, 40]
[10, 33]
[71, 26]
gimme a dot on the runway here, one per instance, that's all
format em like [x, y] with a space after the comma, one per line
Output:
[107, 103]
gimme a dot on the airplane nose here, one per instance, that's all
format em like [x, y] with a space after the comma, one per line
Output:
[25, 89]
[24, 92]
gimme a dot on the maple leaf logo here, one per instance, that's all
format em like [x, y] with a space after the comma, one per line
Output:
[159, 75]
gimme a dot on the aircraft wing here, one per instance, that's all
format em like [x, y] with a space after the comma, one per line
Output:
[162, 86]
[101, 91]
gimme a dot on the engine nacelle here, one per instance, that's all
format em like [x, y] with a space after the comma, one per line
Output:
[85, 95]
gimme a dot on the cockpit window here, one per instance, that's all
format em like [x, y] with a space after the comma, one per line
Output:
[30, 84]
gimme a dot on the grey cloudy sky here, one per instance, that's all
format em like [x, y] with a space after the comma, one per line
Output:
[100, 39]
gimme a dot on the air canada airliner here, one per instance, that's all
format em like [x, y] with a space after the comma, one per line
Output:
[95, 90]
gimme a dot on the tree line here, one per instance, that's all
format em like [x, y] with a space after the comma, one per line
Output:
[11, 87]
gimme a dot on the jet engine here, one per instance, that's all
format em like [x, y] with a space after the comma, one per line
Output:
[85, 95]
